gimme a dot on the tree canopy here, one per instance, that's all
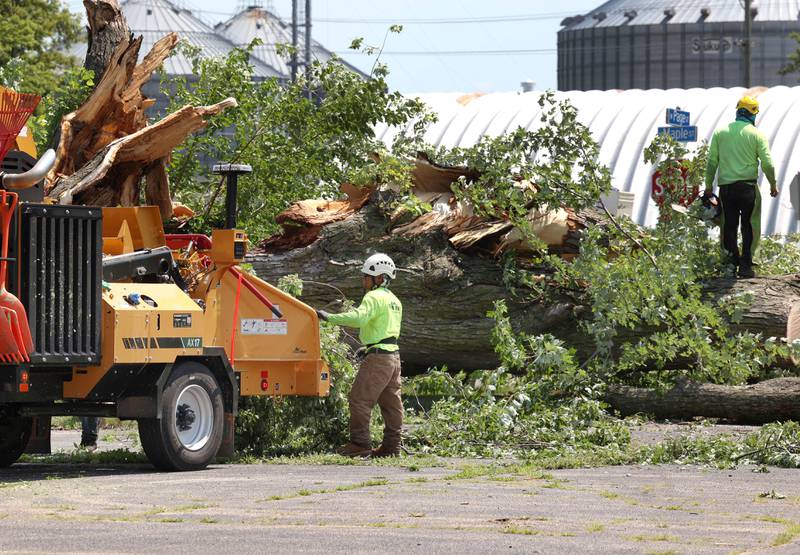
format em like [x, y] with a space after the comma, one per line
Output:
[34, 36]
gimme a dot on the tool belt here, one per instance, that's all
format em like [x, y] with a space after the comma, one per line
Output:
[375, 347]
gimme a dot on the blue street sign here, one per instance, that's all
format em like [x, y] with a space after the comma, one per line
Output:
[686, 134]
[677, 117]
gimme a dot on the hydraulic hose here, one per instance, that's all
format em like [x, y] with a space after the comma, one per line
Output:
[20, 181]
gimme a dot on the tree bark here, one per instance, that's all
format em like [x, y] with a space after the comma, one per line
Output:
[107, 29]
[114, 111]
[446, 292]
[767, 401]
[112, 176]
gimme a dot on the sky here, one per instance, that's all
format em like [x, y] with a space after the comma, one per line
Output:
[445, 45]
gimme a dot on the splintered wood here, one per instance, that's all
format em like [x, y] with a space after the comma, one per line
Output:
[558, 228]
[107, 150]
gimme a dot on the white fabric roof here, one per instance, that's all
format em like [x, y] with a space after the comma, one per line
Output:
[624, 123]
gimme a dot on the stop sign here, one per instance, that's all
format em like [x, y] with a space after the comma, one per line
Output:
[678, 192]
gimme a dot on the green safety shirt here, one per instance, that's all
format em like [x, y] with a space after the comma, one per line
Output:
[735, 150]
[377, 317]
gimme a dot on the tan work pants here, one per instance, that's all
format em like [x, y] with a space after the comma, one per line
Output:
[377, 381]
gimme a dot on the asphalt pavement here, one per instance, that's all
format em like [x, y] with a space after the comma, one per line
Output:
[302, 508]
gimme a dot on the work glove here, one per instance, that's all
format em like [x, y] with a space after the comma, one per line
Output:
[322, 315]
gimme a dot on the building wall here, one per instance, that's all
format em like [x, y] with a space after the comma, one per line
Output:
[673, 55]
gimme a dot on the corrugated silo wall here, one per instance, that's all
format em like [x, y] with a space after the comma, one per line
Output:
[673, 56]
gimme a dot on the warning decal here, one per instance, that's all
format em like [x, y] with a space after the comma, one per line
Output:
[262, 326]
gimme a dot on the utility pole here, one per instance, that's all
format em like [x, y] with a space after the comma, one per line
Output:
[307, 57]
[748, 42]
[295, 38]
[295, 62]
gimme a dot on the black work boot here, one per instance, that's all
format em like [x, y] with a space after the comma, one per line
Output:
[746, 270]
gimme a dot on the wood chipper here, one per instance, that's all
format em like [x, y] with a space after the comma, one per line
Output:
[126, 321]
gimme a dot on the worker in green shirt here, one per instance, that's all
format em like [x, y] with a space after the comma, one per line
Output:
[736, 151]
[378, 319]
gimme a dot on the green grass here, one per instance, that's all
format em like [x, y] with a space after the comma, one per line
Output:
[500, 472]
[595, 527]
[521, 531]
[652, 538]
[379, 481]
[788, 535]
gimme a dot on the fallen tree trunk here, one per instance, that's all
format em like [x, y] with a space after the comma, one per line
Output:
[767, 401]
[447, 292]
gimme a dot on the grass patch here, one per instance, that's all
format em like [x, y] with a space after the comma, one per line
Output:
[521, 531]
[171, 520]
[412, 463]
[555, 484]
[652, 538]
[788, 535]
[380, 481]
[207, 520]
[501, 472]
[595, 527]
[417, 480]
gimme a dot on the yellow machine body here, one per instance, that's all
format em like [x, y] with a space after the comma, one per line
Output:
[272, 355]
[25, 142]
[142, 333]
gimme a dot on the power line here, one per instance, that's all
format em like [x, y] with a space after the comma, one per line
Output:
[448, 21]
[456, 52]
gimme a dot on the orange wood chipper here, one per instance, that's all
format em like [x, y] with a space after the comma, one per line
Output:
[111, 317]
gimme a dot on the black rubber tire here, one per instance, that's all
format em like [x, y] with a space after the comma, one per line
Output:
[159, 436]
[15, 432]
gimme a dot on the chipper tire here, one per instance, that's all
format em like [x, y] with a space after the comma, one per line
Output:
[15, 432]
[189, 432]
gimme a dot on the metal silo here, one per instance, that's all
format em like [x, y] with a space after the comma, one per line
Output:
[662, 44]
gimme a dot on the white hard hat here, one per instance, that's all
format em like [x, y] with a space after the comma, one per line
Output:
[378, 264]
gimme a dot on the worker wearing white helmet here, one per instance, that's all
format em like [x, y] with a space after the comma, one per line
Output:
[378, 320]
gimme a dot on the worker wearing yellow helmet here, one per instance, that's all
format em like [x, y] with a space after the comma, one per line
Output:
[735, 153]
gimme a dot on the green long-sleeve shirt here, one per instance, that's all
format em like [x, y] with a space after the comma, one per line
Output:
[736, 150]
[377, 317]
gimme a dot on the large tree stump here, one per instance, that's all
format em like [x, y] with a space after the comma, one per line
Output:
[768, 401]
[126, 159]
[115, 110]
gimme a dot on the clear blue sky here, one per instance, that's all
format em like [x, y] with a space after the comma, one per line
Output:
[522, 25]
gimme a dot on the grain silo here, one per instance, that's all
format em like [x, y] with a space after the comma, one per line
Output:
[663, 44]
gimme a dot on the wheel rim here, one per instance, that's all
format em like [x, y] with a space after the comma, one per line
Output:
[194, 417]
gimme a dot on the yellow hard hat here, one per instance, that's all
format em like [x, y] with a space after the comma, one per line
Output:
[748, 103]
